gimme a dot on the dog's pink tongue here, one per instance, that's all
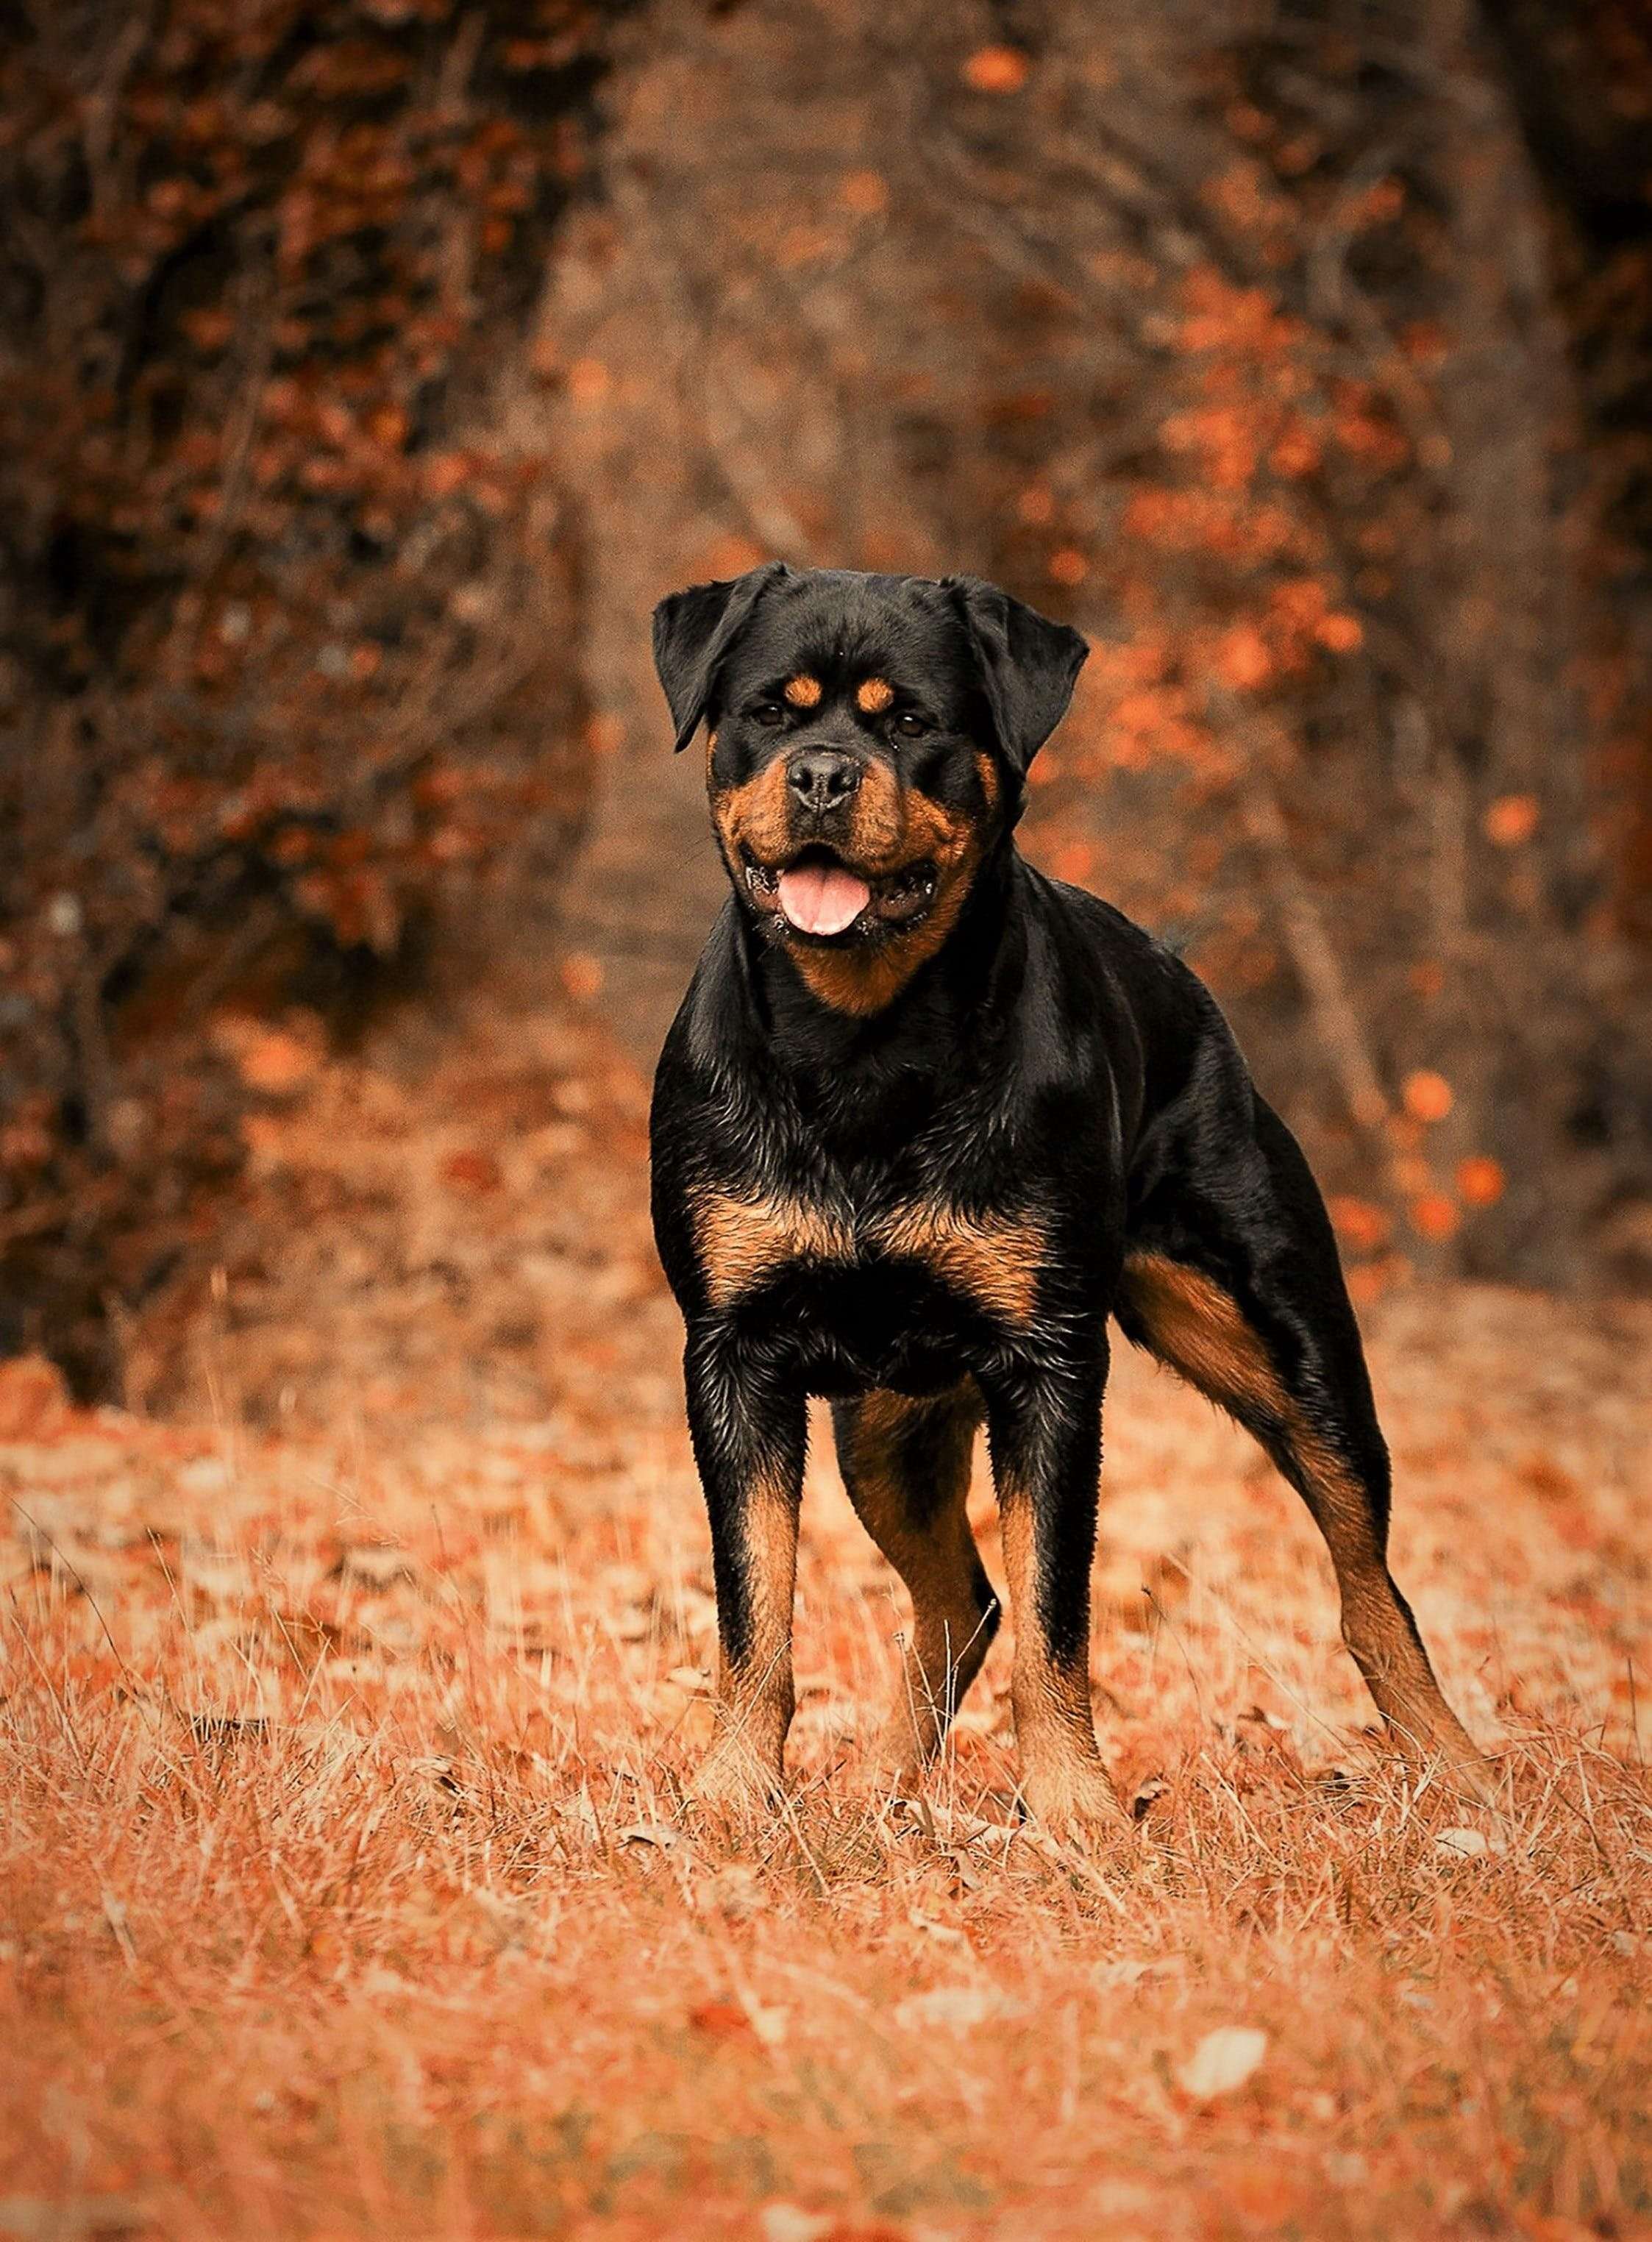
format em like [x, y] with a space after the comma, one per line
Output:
[822, 898]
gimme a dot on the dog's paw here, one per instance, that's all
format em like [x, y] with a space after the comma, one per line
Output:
[1074, 1802]
[1442, 1754]
[1474, 1780]
[894, 1764]
[732, 1783]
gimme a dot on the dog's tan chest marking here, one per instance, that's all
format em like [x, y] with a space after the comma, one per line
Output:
[742, 1241]
[991, 1259]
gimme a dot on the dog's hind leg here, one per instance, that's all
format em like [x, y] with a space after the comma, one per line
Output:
[1235, 1283]
[906, 1466]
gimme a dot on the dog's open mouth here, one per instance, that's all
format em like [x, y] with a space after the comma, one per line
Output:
[819, 895]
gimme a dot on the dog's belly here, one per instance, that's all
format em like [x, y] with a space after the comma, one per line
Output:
[849, 1328]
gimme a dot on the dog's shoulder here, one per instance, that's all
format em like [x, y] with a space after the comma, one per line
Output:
[1133, 992]
[715, 1027]
[1104, 960]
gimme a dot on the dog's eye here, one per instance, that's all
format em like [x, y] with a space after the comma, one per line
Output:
[768, 714]
[909, 727]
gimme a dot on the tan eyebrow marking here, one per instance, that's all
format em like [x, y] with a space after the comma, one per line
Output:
[874, 696]
[803, 692]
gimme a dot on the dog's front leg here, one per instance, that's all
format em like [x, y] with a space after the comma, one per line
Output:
[748, 1434]
[1043, 1427]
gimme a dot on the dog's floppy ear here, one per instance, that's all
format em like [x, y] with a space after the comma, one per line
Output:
[693, 630]
[1029, 665]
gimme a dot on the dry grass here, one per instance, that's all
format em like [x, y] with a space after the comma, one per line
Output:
[344, 1890]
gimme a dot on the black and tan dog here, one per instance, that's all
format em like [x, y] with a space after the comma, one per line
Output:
[925, 1120]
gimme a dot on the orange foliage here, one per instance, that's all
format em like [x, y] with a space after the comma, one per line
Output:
[1481, 1180]
[1362, 1226]
[1512, 819]
[1435, 1216]
[1428, 1096]
[1242, 658]
[266, 589]
[996, 70]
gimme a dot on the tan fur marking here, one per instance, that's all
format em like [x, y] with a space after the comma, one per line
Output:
[1200, 1331]
[992, 1259]
[932, 1549]
[755, 1700]
[1063, 1779]
[987, 772]
[771, 1548]
[874, 696]
[889, 828]
[863, 980]
[757, 814]
[860, 984]
[742, 1240]
[877, 837]
[803, 692]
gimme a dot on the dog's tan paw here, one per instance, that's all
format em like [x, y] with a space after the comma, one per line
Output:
[894, 1764]
[734, 1783]
[1074, 1801]
[1474, 1780]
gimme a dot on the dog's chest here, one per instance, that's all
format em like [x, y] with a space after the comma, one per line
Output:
[884, 1288]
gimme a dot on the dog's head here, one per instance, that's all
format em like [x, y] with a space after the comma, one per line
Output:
[867, 741]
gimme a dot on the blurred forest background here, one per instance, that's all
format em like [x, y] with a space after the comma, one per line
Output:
[368, 367]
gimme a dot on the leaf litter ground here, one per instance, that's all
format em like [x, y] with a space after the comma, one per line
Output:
[349, 1685]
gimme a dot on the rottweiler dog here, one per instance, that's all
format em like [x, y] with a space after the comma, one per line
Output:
[925, 1121]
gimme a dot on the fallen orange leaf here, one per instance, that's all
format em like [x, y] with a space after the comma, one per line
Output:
[473, 1172]
[721, 2019]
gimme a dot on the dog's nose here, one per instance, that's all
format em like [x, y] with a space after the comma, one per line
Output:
[822, 778]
